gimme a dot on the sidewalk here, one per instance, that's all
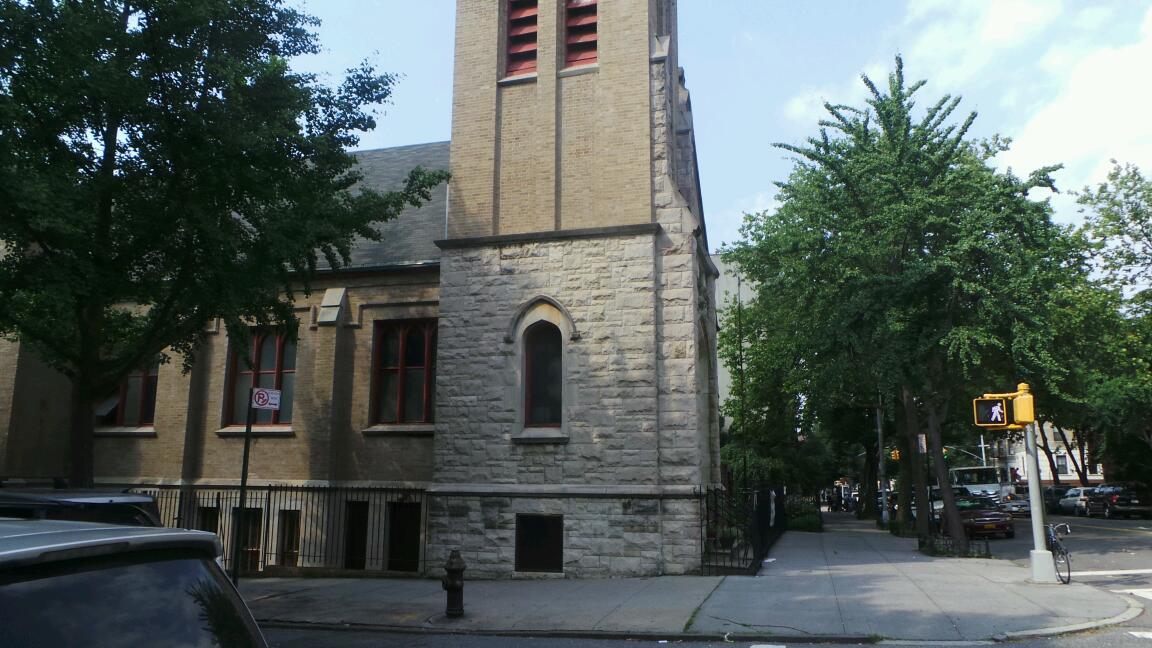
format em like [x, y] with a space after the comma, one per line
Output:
[850, 582]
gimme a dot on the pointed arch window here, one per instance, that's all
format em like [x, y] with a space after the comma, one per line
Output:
[272, 364]
[134, 403]
[543, 375]
[404, 380]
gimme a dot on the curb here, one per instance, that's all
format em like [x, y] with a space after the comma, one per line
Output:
[568, 634]
[1134, 610]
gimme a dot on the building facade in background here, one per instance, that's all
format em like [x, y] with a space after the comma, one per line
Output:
[530, 356]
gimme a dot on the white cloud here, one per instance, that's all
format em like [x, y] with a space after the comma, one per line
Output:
[724, 224]
[1099, 112]
[960, 40]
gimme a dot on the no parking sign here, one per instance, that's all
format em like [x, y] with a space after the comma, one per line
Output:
[265, 399]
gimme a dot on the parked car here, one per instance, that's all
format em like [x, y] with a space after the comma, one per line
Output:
[938, 498]
[110, 507]
[1052, 497]
[1017, 505]
[1121, 500]
[981, 517]
[1075, 501]
[66, 584]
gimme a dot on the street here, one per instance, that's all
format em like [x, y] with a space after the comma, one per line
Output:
[279, 638]
[1111, 554]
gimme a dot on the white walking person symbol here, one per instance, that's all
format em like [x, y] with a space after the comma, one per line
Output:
[997, 413]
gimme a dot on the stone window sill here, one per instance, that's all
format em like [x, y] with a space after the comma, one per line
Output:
[578, 70]
[406, 429]
[541, 435]
[516, 80]
[147, 431]
[257, 431]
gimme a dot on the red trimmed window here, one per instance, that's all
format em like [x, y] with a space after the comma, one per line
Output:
[522, 29]
[273, 365]
[134, 404]
[543, 375]
[404, 379]
[579, 32]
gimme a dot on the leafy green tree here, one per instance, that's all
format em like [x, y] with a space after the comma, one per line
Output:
[1118, 215]
[1118, 385]
[910, 265]
[161, 165]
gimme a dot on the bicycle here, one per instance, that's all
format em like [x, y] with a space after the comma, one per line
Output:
[1052, 533]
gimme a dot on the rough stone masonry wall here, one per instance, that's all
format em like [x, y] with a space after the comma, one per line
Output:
[602, 537]
[607, 286]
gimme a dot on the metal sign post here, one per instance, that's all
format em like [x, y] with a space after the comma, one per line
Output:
[259, 398]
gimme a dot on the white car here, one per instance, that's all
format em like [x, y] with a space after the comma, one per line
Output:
[1075, 501]
[1016, 505]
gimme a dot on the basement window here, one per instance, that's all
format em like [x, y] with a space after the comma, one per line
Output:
[539, 543]
[580, 32]
[522, 30]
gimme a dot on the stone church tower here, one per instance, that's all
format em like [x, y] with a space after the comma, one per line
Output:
[576, 409]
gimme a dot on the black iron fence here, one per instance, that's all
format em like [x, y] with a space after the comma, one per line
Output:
[739, 527]
[291, 528]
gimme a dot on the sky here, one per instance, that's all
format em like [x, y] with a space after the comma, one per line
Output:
[1070, 82]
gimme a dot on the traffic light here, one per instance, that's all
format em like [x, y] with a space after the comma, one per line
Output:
[990, 412]
[895, 454]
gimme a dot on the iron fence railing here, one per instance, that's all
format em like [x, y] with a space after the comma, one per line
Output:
[739, 527]
[287, 528]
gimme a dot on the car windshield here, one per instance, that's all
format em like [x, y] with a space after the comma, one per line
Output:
[177, 599]
[969, 503]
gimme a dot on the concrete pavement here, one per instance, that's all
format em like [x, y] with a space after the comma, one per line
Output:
[850, 582]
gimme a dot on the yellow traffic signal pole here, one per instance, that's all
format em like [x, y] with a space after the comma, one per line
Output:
[1043, 569]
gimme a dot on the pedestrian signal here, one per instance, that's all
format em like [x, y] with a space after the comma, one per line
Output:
[991, 412]
[1023, 411]
[895, 454]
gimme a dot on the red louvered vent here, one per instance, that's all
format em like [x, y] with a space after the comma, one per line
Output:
[521, 37]
[580, 38]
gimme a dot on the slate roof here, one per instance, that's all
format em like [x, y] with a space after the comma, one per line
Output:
[409, 238]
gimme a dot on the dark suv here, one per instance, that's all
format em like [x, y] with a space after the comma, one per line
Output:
[110, 507]
[67, 584]
[1121, 500]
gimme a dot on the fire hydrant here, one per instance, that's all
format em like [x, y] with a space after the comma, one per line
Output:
[453, 583]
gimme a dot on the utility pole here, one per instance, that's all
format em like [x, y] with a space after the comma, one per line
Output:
[740, 355]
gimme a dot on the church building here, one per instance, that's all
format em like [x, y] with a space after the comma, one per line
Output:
[529, 358]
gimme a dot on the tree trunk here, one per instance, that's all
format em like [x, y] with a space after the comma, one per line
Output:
[867, 508]
[904, 492]
[952, 522]
[80, 438]
[1042, 437]
[1077, 465]
[916, 461]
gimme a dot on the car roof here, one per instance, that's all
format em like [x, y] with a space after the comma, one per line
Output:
[57, 496]
[26, 542]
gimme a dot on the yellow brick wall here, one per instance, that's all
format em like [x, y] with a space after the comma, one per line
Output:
[510, 140]
[473, 148]
[34, 411]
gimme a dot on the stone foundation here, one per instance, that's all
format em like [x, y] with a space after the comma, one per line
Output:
[603, 537]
